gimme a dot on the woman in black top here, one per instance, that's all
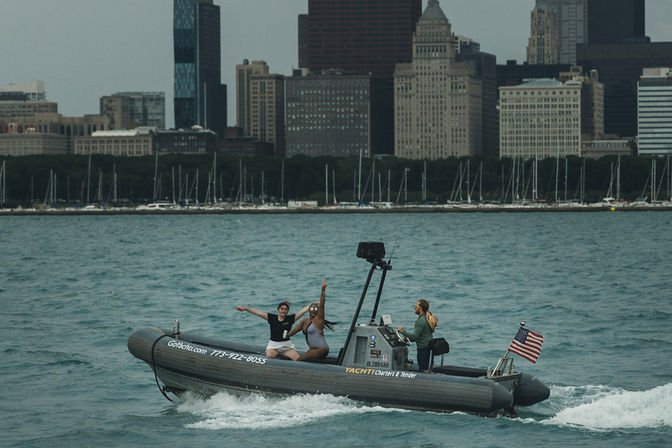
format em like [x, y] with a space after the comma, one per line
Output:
[280, 325]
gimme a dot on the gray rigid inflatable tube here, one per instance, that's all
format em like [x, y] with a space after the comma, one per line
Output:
[195, 365]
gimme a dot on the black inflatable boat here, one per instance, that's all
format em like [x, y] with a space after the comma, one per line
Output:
[373, 366]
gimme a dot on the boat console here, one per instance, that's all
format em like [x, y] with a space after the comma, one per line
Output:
[376, 346]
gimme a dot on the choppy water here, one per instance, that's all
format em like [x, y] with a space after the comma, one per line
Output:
[596, 285]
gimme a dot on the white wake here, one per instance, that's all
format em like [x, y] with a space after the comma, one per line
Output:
[255, 411]
[604, 408]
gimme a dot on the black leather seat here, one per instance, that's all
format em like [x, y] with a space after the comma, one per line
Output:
[437, 346]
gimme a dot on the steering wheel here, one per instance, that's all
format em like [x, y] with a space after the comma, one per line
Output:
[404, 339]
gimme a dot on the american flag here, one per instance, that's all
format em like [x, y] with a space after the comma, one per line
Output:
[527, 344]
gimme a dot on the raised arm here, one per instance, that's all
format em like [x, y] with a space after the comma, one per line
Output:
[301, 312]
[298, 327]
[319, 319]
[253, 311]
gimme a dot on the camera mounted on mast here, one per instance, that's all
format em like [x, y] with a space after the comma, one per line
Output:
[373, 252]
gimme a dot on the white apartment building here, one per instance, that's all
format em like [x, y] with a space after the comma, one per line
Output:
[540, 118]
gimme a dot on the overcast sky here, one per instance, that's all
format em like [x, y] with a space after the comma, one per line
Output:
[84, 49]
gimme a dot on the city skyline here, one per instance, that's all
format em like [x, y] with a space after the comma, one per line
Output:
[128, 45]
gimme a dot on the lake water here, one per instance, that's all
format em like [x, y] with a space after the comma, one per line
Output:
[596, 285]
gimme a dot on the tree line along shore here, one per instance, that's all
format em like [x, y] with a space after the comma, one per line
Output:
[204, 178]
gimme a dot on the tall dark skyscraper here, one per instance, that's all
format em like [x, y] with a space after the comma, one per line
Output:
[615, 21]
[362, 37]
[619, 67]
[303, 40]
[200, 98]
[619, 49]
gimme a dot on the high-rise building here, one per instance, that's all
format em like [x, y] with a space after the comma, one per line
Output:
[333, 114]
[438, 101]
[620, 67]
[557, 26]
[304, 20]
[544, 43]
[200, 98]
[592, 102]
[363, 37]
[244, 72]
[485, 66]
[128, 110]
[260, 104]
[615, 21]
[267, 110]
[654, 111]
[147, 108]
[540, 118]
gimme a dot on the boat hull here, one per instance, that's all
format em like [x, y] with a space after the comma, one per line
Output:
[207, 366]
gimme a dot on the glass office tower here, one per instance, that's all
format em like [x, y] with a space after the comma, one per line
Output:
[200, 98]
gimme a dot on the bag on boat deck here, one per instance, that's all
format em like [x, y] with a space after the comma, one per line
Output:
[432, 320]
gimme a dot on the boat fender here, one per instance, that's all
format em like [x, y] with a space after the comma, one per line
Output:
[156, 378]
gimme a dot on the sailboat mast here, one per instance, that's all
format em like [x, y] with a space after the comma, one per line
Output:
[480, 183]
[501, 199]
[359, 182]
[653, 180]
[380, 189]
[214, 177]
[557, 172]
[424, 181]
[388, 185]
[565, 179]
[282, 182]
[405, 185]
[513, 179]
[88, 181]
[583, 182]
[114, 172]
[459, 184]
[468, 181]
[618, 179]
[373, 180]
[4, 182]
[172, 181]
